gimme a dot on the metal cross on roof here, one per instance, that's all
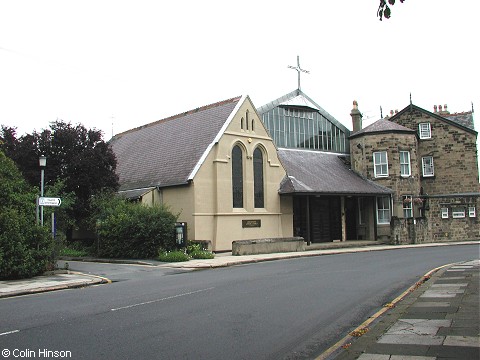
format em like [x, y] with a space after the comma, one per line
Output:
[299, 70]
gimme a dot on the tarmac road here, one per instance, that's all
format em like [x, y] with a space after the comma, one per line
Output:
[281, 309]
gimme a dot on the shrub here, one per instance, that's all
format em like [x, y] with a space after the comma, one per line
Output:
[131, 230]
[202, 254]
[192, 247]
[26, 249]
[196, 251]
[173, 256]
[75, 249]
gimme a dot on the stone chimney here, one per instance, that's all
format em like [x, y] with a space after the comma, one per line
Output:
[356, 117]
[442, 110]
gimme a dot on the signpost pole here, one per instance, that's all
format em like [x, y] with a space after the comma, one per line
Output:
[41, 194]
[53, 225]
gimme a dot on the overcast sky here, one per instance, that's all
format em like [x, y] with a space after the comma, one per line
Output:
[133, 62]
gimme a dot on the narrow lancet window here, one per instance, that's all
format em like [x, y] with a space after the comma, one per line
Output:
[237, 177]
[258, 178]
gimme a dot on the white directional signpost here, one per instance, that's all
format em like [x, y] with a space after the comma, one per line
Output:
[49, 201]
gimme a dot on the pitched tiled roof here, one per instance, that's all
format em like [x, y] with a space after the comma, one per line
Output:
[382, 126]
[464, 119]
[323, 173]
[451, 119]
[166, 152]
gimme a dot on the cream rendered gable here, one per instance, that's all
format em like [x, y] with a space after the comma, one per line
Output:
[214, 217]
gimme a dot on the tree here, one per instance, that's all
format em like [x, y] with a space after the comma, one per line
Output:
[26, 249]
[384, 10]
[76, 156]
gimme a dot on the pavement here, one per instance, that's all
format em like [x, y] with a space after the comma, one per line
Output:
[54, 280]
[437, 318]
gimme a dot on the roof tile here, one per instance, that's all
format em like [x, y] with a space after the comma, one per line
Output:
[165, 152]
[323, 173]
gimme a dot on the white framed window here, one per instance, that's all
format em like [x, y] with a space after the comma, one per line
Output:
[380, 164]
[383, 210]
[458, 212]
[407, 206]
[425, 131]
[471, 212]
[444, 213]
[405, 163]
[427, 166]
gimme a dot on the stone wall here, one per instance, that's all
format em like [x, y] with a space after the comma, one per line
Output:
[268, 246]
[362, 149]
[434, 228]
[454, 153]
[453, 229]
[453, 149]
[410, 231]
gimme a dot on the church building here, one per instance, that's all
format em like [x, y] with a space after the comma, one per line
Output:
[232, 171]
[216, 166]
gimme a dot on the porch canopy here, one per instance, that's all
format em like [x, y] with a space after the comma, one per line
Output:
[319, 173]
[331, 202]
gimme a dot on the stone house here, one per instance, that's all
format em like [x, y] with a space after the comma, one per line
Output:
[430, 161]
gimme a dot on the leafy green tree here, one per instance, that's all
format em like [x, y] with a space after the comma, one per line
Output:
[26, 249]
[384, 10]
[75, 155]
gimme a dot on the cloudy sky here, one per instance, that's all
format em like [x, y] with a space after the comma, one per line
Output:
[128, 63]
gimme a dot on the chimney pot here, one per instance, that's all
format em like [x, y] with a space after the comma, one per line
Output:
[440, 108]
[356, 117]
[434, 108]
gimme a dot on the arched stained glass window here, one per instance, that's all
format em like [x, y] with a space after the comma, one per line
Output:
[237, 176]
[258, 186]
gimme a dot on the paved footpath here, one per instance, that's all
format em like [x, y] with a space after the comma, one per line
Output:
[437, 320]
[59, 280]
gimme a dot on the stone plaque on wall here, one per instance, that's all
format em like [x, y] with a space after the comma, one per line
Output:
[251, 223]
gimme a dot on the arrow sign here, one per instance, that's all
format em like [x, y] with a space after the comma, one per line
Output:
[49, 201]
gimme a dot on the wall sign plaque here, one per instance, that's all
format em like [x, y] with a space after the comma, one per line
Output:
[251, 223]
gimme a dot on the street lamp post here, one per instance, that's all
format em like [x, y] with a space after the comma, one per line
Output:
[42, 161]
